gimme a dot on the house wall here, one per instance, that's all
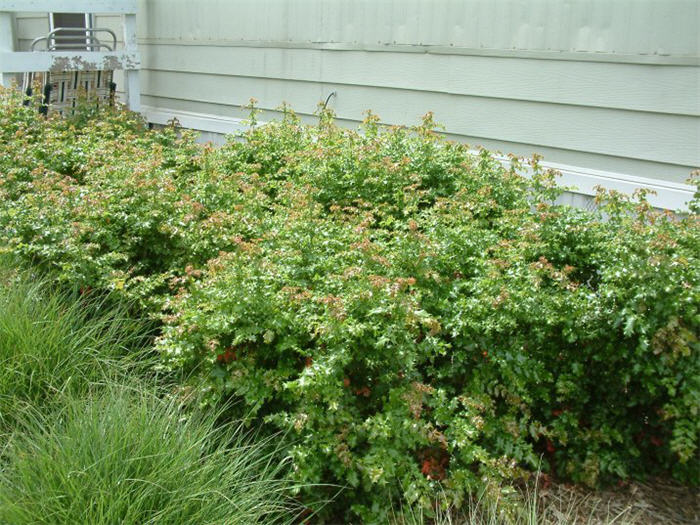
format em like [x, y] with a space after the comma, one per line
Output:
[28, 27]
[608, 91]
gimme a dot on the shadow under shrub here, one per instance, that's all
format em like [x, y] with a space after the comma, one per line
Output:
[415, 314]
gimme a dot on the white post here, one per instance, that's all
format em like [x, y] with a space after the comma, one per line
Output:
[7, 44]
[133, 86]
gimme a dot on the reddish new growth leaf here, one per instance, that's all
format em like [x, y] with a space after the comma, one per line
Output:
[550, 447]
[434, 464]
[228, 356]
[364, 391]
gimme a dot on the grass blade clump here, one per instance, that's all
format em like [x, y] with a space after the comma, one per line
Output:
[123, 455]
[51, 343]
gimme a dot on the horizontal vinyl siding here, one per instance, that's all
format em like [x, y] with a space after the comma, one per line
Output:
[642, 135]
[661, 89]
[634, 27]
[607, 85]
[233, 112]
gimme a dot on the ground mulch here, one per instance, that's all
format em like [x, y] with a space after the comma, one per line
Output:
[656, 501]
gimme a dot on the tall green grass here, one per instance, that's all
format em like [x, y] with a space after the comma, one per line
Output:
[87, 435]
[53, 344]
[124, 455]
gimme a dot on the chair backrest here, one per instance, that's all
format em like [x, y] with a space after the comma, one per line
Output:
[63, 90]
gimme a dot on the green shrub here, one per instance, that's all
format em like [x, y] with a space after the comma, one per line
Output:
[416, 315]
[122, 455]
[112, 206]
[450, 332]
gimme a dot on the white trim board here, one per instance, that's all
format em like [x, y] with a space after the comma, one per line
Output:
[23, 61]
[669, 195]
[70, 6]
[573, 56]
[196, 121]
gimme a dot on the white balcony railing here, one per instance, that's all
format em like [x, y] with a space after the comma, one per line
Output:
[128, 59]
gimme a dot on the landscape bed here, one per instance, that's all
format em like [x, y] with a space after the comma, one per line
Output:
[421, 323]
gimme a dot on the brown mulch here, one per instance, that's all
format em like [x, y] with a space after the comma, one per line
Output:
[654, 502]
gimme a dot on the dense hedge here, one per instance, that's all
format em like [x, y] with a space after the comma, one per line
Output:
[415, 315]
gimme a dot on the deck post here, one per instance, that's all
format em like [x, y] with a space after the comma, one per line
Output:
[133, 86]
[7, 44]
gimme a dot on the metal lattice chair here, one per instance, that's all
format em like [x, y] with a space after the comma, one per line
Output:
[62, 90]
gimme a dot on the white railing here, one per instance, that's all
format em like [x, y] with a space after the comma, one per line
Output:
[129, 59]
[65, 38]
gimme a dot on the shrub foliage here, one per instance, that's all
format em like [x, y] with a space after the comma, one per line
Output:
[415, 315]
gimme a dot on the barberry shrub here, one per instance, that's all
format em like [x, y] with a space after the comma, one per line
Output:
[415, 316]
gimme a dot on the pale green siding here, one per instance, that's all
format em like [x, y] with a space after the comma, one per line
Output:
[28, 27]
[611, 85]
[605, 85]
